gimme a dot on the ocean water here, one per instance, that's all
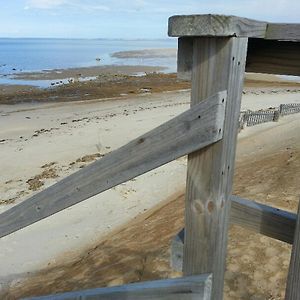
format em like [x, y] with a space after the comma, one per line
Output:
[26, 55]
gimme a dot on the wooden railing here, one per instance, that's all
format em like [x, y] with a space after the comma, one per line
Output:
[194, 129]
[260, 218]
[186, 288]
[213, 51]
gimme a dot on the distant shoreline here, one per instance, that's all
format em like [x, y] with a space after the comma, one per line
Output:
[146, 53]
[57, 74]
[114, 82]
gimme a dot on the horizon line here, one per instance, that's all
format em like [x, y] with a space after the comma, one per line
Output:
[82, 38]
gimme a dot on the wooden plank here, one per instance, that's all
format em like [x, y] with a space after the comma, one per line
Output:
[192, 130]
[215, 25]
[184, 58]
[287, 32]
[263, 56]
[186, 288]
[218, 63]
[264, 219]
[293, 281]
[260, 218]
[273, 57]
[225, 26]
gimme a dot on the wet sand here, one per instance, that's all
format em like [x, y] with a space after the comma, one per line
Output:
[147, 53]
[58, 74]
[121, 85]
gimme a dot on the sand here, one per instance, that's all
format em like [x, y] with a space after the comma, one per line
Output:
[40, 143]
[147, 53]
[256, 265]
[119, 81]
[57, 74]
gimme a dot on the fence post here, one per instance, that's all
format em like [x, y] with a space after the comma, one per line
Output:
[293, 280]
[280, 108]
[276, 115]
[218, 64]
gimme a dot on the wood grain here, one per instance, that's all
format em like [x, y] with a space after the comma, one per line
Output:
[264, 219]
[293, 280]
[185, 288]
[273, 57]
[192, 130]
[185, 58]
[281, 31]
[263, 56]
[218, 64]
[225, 26]
[215, 25]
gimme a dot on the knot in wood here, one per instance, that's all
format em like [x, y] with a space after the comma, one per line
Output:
[198, 206]
[210, 206]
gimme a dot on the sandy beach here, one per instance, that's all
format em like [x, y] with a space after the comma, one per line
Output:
[41, 142]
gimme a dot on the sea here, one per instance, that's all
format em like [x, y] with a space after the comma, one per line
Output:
[38, 54]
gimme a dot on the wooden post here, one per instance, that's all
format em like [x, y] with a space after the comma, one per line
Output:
[293, 281]
[218, 64]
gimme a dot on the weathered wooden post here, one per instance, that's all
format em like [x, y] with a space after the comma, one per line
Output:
[276, 116]
[214, 49]
[293, 282]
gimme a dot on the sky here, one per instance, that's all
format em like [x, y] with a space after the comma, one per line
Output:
[125, 19]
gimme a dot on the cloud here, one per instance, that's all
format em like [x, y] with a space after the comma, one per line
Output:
[44, 4]
[282, 10]
[68, 4]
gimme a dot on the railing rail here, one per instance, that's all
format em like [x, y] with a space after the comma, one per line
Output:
[192, 130]
[184, 288]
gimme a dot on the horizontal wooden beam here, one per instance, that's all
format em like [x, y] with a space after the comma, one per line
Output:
[222, 26]
[215, 25]
[263, 56]
[273, 57]
[260, 218]
[185, 288]
[272, 222]
[194, 129]
[283, 32]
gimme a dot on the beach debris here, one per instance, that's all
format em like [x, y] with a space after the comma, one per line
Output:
[37, 181]
[79, 120]
[89, 157]
[145, 90]
[49, 165]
